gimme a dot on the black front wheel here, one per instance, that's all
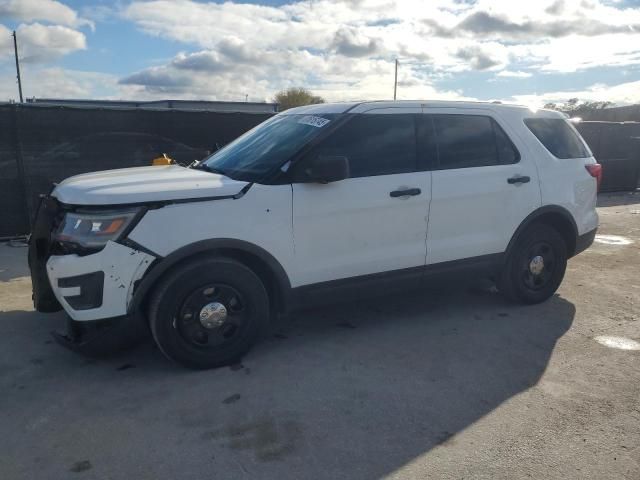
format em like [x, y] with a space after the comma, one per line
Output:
[209, 312]
[536, 265]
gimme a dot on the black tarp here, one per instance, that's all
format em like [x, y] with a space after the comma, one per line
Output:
[42, 145]
[616, 147]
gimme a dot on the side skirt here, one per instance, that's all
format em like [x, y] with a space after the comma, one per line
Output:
[395, 281]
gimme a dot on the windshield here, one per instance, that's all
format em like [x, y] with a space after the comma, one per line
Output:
[266, 147]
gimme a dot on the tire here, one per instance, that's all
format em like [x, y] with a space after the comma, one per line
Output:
[188, 323]
[523, 278]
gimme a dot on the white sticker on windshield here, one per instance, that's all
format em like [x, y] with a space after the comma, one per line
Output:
[314, 121]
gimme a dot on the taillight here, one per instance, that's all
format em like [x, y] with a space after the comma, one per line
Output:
[595, 170]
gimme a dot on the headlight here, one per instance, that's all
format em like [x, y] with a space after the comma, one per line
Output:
[95, 229]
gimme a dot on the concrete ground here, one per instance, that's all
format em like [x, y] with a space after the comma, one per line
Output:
[453, 383]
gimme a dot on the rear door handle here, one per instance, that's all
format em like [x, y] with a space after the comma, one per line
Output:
[518, 179]
[408, 192]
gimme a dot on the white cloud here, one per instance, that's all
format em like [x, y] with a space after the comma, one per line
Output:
[43, 10]
[59, 83]
[214, 75]
[99, 13]
[351, 43]
[483, 57]
[514, 74]
[39, 43]
[6, 43]
[341, 46]
[341, 49]
[620, 94]
[574, 53]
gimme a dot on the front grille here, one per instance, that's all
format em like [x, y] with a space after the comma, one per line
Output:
[69, 248]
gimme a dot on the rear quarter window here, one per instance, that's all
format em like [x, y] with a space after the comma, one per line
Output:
[558, 137]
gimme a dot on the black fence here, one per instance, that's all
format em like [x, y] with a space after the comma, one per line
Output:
[630, 113]
[617, 148]
[40, 145]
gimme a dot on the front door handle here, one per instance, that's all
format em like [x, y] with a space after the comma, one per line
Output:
[518, 179]
[408, 192]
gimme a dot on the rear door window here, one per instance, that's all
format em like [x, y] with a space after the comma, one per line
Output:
[558, 137]
[466, 141]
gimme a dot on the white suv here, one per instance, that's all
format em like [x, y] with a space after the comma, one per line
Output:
[317, 203]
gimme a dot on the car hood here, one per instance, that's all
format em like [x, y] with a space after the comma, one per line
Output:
[144, 184]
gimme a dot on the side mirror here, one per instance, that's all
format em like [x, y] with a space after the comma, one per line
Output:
[325, 169]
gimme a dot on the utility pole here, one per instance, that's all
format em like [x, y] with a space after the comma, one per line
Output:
[395, 84]
[15, 48]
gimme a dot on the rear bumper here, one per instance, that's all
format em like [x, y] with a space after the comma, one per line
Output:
[584, 241]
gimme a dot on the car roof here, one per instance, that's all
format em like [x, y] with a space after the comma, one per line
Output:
[338, 107]
[364, 106]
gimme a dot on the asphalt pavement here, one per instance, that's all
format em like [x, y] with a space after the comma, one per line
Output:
[452, 382]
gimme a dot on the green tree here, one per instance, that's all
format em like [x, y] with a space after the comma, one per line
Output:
[295, 97]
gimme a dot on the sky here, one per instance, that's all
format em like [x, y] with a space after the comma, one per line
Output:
[529, 52]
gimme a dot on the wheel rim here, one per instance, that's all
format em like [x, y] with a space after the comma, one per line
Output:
[212, 316]
[538, 266]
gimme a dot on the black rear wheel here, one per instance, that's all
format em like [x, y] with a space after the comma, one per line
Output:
[536, 265]
[209, 312]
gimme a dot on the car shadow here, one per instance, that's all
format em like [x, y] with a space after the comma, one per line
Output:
[349, 391]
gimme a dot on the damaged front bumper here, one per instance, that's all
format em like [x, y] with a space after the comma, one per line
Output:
[101, 337]
[94, 289]
[97, 286]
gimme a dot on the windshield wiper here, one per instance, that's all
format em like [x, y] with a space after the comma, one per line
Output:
[207, 168]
